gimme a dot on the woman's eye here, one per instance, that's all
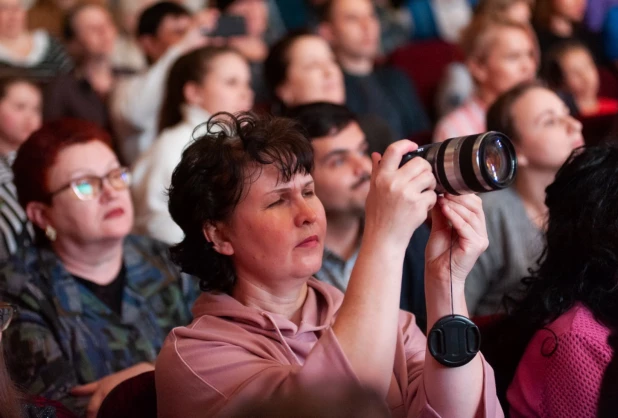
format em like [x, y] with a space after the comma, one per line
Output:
[278, 202]
[309, 193]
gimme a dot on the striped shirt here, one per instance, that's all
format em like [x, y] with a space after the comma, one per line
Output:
[467, 119]
[46, 59]
[15, 230]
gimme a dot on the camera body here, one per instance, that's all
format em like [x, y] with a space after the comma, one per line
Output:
[470, 164]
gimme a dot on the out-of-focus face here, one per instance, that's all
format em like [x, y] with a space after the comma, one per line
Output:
[519, 12]
[12, 18]
[342, 171]
[106, 218]
[313, 74]
[580, 73]
[572, 10]
[355, 28]
[171, 31]
[510, 60]
[277, 230]
[546, 132]
[227, 85]
[95, 31]
[255, 13]
[20, 114]
[65, 4]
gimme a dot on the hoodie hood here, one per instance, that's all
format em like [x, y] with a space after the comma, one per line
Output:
[318, 312]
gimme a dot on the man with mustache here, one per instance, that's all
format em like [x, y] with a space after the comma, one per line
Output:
[342, 172]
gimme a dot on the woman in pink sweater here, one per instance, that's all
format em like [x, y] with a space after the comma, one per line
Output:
[572, 302]
[254, 235]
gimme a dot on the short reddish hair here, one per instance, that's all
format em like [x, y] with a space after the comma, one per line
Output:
[40, 151]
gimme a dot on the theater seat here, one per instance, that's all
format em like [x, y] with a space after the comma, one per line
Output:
[133, 398]
[425, 63]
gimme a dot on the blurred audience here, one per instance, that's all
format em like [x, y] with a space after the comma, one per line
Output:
[49, 15]
[342, 172]
[264, 327]
[301, 68]
[353, 30]
[499, 55]
[20, 115]
[94, 303]
[127, 52]
[204, 82]
[165, 31]
[13, 403]
[568, 318]
[91, 36]
[544, 134]
[253, 45]
[36, 53]
[569, 68]
[558, 20]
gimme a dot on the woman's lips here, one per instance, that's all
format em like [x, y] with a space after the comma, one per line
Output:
[114, 213]
[310, 242]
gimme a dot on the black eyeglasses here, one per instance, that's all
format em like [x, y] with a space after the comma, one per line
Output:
[6, 315]
[89, 187]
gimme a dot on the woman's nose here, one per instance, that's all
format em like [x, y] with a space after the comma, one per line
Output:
[305, 215]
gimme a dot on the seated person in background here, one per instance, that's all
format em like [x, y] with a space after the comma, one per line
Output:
[569, 68]
[254, 234]
[20, 115]
[253, 45]
[556, 21]
[14, 404]
[544, 134]
[499, 55]
[91, 37]
[513, 10]
[94, 303]
[200, 84]
[353, 30]
[165, 32]
[341, 172]
[49, 15]
[301, 68]
[35, 53]
[570, 308]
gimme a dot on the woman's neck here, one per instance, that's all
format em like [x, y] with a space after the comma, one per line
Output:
[284, 300]
[485, 96]
[343, 234]
[98, 263]
[99, 73]
[561, 26]
[530, 185]
[7, 147]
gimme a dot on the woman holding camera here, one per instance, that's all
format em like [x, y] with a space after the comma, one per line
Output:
[544, 135]
[254, 234]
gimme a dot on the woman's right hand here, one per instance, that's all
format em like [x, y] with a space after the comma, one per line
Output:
[399, 198]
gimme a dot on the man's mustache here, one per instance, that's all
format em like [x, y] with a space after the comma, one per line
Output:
[361, 181]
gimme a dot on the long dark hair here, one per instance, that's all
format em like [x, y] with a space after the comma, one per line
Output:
[10, 398]
[580, 261]
[191, 67]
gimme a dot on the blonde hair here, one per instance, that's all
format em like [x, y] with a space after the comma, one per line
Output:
[497, 7]
[477, 38]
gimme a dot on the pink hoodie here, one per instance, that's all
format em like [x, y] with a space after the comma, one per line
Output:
[231, 353]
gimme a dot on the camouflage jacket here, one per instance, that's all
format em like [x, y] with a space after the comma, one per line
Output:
[63, 336]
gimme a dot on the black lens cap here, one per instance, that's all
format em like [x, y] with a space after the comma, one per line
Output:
[454, 340]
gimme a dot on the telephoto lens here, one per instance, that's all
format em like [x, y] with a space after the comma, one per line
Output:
[470, 164]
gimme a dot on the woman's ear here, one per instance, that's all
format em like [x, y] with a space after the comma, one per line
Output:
[37, 213]
[192, 94]
[215, 234]
[522, 160]
[478, 70]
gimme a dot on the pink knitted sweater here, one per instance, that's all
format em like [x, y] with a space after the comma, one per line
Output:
[560, 375]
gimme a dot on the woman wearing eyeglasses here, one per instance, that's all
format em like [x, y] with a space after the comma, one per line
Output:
[95, 303]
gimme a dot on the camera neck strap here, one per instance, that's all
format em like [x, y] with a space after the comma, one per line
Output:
[454, 340]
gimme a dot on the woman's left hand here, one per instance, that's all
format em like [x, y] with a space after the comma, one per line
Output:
[99, 389]
[469, 237]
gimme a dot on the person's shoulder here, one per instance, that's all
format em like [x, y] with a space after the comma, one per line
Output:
[145, 246]
[21, 270]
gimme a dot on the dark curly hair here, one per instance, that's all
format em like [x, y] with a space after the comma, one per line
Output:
[213, 176]
[578, 265]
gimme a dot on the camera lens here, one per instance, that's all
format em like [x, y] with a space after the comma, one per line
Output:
[470, 164]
